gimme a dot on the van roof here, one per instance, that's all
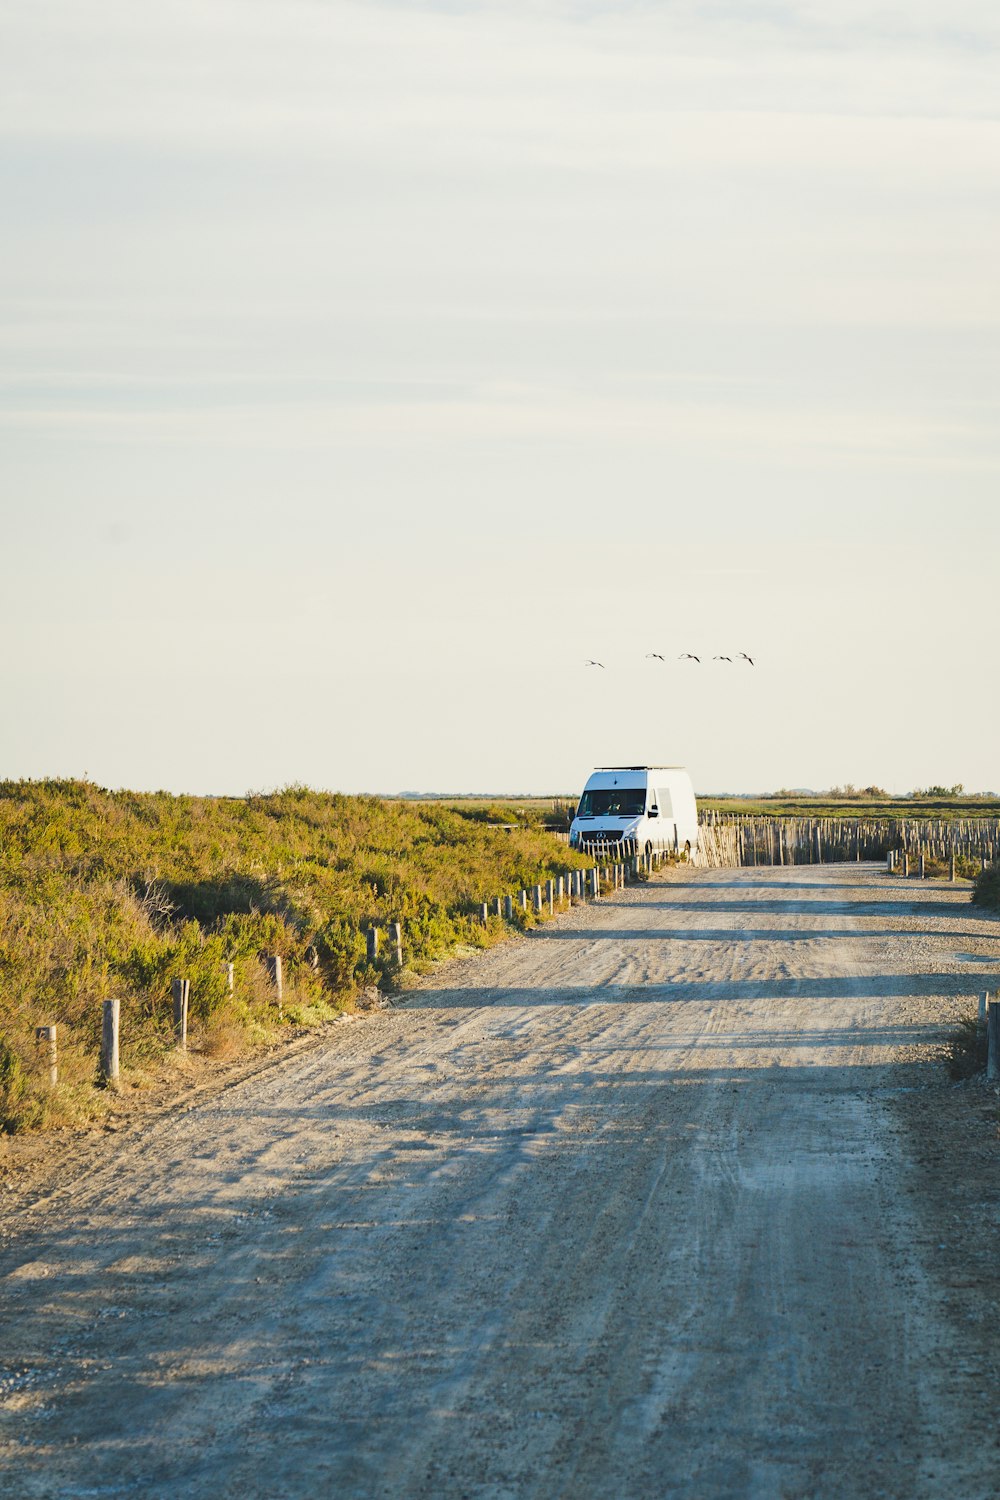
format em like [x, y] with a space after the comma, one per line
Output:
[638, 768]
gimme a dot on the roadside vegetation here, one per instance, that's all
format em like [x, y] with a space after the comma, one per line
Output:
[986, 888]
[967, 1049]
[116, 893]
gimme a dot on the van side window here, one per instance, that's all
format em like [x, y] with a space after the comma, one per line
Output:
[665, 804]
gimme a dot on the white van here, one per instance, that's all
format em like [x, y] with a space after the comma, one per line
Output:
[649, 806]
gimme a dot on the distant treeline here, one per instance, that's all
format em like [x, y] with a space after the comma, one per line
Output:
[830, 805]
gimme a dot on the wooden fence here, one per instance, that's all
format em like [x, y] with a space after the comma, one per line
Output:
[728, 840]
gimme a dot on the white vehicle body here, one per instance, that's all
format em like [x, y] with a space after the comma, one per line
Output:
[639, 804]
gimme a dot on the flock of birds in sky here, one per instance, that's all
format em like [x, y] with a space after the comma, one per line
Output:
[684, 656]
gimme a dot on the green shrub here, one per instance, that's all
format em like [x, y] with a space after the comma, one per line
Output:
[986, 888]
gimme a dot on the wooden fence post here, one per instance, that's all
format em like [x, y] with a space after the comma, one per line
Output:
[48, 1034]
[923, 866]
[484, 913]
[272, 963]
[984, 996]
[371, 944]
[524, 901]
[993, 1041]
[508, 908]
[550, 896]
[951, 865]
[396, 939]
[110, 1021]
[230, 977]
[180, 989]
[536, 895]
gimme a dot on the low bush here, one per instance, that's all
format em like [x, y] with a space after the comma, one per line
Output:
[967, 1049]
[986, 888]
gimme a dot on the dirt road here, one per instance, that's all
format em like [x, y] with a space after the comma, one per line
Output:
[623, 1209]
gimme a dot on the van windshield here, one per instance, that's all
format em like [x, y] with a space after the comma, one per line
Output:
[613, 802]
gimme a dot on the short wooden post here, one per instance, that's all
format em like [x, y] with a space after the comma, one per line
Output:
[524, 900]
[560, 890]
[272, 962]
[993, 1041]
[906, 861]
[550, 896]
[537, 898]
[923, 866]
[497, 907]
[508, 908]
[47, 1034]
[371, 944]
[230, 977]
[984, 996]
[110, 1020]
[595, 882]
[951, 865]
[889, 863]
[484, 913]
[396, 939]
[180, 989]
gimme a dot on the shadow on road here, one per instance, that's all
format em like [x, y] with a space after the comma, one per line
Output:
[744, 934]
[824, 987]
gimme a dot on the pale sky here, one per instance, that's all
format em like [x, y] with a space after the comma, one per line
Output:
[368, 367]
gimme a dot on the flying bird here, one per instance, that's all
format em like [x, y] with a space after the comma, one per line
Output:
[597, 664]
[744, 657]
[655, 655]
[722, 658]
[688, 656]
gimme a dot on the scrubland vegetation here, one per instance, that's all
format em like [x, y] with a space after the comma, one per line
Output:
[116, 893]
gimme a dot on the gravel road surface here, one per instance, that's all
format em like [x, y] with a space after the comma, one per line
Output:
[618, 1210]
